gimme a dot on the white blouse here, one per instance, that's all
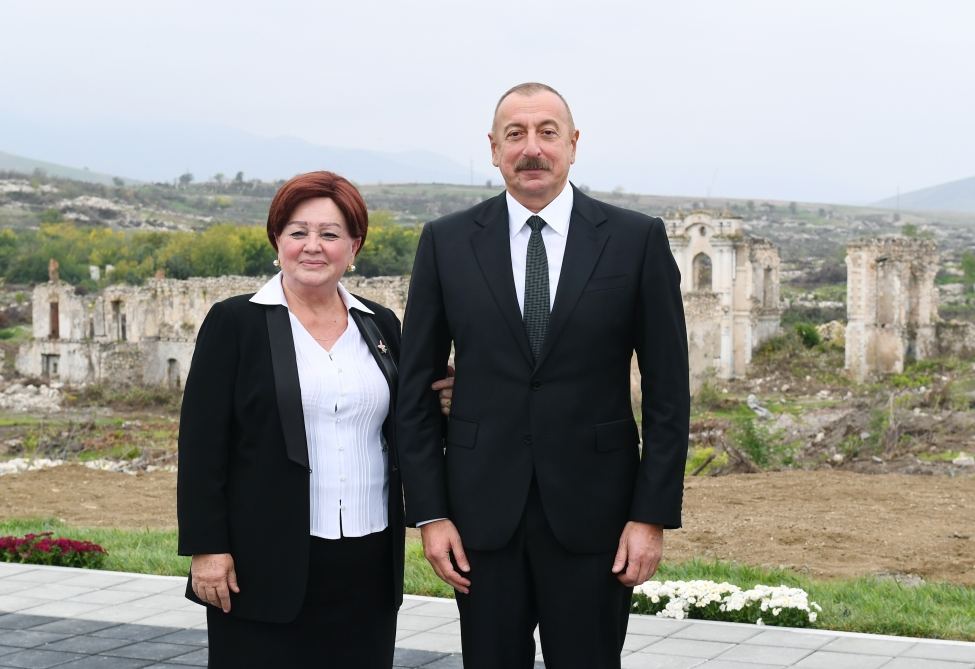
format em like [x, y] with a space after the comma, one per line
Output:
[345, 399]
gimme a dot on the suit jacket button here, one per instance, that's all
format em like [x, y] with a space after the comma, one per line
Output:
[536, 385]
[528, 440]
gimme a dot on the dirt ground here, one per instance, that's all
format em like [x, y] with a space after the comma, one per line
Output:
[90, 497]
[825, 523]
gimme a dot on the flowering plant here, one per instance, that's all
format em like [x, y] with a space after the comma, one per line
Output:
[44, 548]
[707, 600]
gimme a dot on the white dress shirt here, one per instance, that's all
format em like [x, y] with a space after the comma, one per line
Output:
[345, 400]
[556, 216]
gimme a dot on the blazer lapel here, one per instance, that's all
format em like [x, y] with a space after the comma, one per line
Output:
[492, 248]
[583, 247]
[374, 340]
[285, 364]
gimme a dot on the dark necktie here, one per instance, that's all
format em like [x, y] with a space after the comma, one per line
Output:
[536, 309]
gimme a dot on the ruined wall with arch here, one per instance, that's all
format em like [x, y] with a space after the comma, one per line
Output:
[142, 334]
[730, 283]
[146, 334]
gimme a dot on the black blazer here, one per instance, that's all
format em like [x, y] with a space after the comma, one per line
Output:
[243, 482]
[565, 419]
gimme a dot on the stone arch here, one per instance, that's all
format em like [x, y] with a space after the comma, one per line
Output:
[701, 271]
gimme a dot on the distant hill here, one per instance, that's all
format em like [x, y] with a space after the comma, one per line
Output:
[161, 151]
[12, 163]
[952, 196]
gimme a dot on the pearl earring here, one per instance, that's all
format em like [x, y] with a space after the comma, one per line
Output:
[350, 268]
[276, 262]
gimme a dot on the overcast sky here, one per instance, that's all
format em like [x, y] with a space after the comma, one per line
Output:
[813, 100]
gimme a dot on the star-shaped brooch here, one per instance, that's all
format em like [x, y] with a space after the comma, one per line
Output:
[382, 347]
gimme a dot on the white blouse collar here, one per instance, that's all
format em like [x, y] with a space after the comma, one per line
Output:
[272, 293]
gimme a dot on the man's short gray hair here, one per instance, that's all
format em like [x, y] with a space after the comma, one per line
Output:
[531, 88]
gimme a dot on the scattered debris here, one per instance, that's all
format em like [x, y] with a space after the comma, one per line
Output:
[964, 460]
[19, 465]
[759, 410]
[906, 580]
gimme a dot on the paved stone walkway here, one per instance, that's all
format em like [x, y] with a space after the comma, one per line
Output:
[75, 619]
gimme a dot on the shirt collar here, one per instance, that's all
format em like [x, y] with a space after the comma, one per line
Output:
[272, 293]
[352, 302]
[556, 214]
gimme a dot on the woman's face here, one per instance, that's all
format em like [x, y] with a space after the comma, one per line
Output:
[315, 247]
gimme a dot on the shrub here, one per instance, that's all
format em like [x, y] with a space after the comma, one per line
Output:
[764, 445]
[125, 397]
[44, 548]
[709, 398]
[808, 334]
[773, 345]
[704, 461]
[753, 439]
[923, 372]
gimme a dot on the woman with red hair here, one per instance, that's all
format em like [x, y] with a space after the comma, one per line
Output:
[289, 493]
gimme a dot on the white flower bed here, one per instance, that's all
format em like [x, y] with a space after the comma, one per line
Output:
[707, 600]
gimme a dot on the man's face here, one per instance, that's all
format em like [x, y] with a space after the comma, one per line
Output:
[533, 142]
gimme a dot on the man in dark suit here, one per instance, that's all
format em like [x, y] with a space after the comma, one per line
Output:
[533, 499]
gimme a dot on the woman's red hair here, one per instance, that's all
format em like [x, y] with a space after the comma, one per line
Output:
[318, 184]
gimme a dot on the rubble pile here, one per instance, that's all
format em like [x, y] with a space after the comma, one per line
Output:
[138, 466]
[30, 398]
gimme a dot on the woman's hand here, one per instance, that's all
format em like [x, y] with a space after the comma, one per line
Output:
[446, 389]
[213, 578]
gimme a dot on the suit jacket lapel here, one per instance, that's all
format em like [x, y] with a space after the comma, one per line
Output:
[285, 364]
[374, 339]
[492, 248]
[583, 247]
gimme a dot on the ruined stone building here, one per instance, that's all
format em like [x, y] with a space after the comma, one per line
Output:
[141, 334]
[730, 284]
[146, 334]
[892, 304]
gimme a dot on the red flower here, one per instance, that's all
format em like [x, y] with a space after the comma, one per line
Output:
[44, 548]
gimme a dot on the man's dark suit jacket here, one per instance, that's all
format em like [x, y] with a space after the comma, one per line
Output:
[565, 419]
[243, 483]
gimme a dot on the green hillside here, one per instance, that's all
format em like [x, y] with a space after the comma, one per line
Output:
[11, 163]
[811, 237]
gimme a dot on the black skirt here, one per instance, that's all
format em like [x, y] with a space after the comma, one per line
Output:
[347, 621]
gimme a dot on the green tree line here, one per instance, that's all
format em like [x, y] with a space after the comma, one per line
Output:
[217, 251]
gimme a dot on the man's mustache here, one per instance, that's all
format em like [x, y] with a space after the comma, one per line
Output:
[533, 163]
